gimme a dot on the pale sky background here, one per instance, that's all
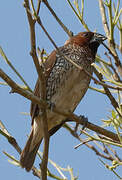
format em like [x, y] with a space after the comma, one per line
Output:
[14, 39]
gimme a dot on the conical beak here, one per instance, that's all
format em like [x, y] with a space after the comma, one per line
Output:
[98, 38]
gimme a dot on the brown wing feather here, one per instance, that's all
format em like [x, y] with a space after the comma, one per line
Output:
[48, 65]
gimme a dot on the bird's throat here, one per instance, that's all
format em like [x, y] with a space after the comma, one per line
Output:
[94, 46]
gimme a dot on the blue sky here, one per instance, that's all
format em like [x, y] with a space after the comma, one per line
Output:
[14, 39]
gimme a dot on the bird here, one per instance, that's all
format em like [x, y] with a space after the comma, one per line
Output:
[65, 87]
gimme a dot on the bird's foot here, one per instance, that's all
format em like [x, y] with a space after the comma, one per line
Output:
[84, 121]
[76, 127]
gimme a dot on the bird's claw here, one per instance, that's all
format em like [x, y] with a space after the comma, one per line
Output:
[76, 127]
[84, 120]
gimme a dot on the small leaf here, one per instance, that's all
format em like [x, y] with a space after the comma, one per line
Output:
[113, 114]
[107, 122]
[106, 68]
[13, 162]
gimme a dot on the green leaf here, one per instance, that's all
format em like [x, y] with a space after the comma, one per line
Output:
[113, 114]
[13, 159]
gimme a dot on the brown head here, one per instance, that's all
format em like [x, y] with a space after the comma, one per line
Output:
[88, 39]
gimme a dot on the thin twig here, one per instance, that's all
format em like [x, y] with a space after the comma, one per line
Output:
[84, 142]
[104, 18]
[13, 68]
[115, 153]
[10, 138]
[17, 89]
[79, 17]
[46, 147]
[117, 60]
[70, 34]
[42, 87]
[102, 140]
[38, 6]
[12, 141]
[73, 133]
[116, 77]
[33, 42]
[109, 33]
[40, 23]
[108, 93]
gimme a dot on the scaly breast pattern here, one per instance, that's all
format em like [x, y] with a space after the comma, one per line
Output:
[66, 84]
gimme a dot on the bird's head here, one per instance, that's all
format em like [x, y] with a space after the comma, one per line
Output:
[88, 39]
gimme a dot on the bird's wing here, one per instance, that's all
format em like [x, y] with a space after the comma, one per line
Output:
[48, 65]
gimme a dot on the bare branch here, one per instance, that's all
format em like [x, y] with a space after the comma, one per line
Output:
[93, 148]
[19, 90]
[115, 75]
[117, 60]
[38, 6]
[46, 147]
[80, 17]
[104, 18]
[42, 87]
[12, 141]
[70, 34]
[13, 68]
[108, 93]
[33, 43]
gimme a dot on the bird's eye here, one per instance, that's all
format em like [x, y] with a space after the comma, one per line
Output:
[86, 34]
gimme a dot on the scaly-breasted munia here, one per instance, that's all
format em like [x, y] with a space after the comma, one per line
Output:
[65, 86]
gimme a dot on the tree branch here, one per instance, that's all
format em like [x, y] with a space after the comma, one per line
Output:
[33, 43]
[83, 142]
[42, 87]
[70, 34]
[108, 93]
[104, 18]
[12, 141]
[109, 33]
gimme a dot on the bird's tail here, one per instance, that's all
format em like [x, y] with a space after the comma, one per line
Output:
[29, 152]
